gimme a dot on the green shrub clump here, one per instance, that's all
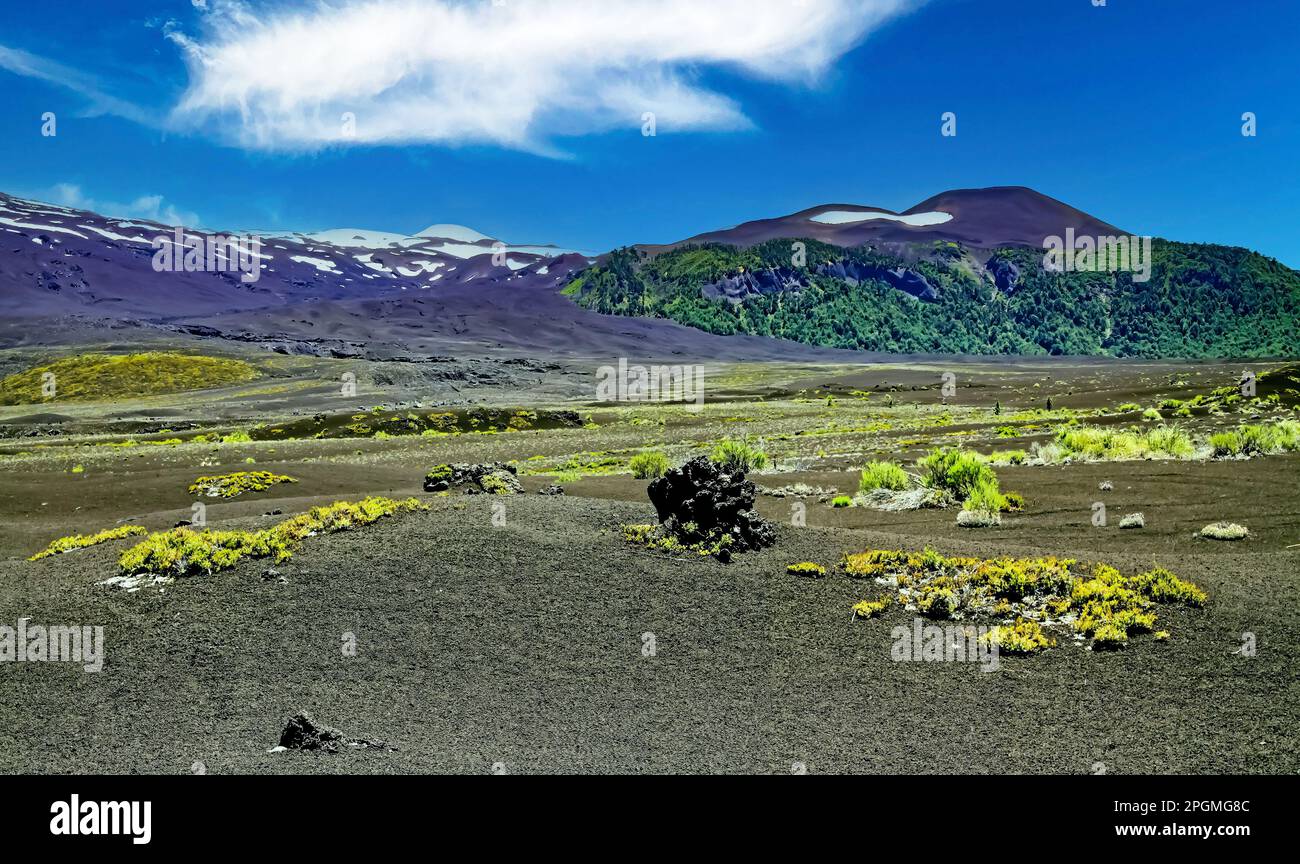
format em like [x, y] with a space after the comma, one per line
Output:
[1096, 444]
[883, 475]
[739, 455]
[986, 497]
[1257, 440]
[806, 568]
[649, 465]
[957, 472]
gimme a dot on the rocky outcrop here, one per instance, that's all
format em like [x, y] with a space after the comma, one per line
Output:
[701, 502]
[772, 280]
[303, 733]
[493, 478]
[1006, 274]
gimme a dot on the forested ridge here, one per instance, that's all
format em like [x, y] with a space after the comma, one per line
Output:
[1201, 301]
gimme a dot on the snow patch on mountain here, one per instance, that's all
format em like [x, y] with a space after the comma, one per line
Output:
[453, 232]
[845, 217]
[321, 264]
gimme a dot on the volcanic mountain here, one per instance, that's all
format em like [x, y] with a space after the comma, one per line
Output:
[980, 218]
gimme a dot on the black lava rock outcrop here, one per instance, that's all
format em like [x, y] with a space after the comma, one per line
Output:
[1005, 273]
[494, 478]
[303, 733]
[772, 280]
[701, 502]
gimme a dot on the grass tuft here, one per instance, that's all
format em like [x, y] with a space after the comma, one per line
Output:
[649, 465]
[739, 455]
[883, 475]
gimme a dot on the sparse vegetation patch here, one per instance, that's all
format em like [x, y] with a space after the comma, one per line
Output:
[184, 552]
[121, 376]
[1028, 598]
[236, 484]
[81, 541]
[1225, 531]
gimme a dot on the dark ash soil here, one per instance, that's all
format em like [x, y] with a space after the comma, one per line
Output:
[522, 645]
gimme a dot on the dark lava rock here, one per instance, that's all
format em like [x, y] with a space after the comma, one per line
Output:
[491, 477]
[1005, 273]
[552, 490]
[570, 419]
[701, 501]
[302, 733]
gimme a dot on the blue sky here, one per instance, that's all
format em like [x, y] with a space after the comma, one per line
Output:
[1131, 111]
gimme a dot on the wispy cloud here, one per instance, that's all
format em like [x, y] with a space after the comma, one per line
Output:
[152, 207]
[514, 74]
[99, 100]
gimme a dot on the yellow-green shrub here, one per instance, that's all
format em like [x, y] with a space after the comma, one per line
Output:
[871, 608]
[81, 541]
[232, 485]
[1044, 591]
[1022, 637]
[185, 552]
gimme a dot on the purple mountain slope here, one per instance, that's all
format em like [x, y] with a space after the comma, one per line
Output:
[55, 260]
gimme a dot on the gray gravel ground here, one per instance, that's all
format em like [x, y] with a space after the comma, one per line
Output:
[521, 647]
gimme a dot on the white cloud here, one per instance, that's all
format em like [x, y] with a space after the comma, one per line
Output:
[151, 207]
[516, 74]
